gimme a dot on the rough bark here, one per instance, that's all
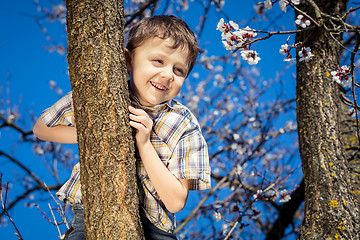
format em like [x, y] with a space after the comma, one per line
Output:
[331, 210]
[350, 139]
[100, 92]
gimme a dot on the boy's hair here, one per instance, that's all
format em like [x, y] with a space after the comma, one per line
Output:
[164, 27]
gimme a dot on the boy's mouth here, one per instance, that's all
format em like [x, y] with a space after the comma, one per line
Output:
[159, 86]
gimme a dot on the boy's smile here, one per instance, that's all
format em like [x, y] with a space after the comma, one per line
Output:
[158, 71]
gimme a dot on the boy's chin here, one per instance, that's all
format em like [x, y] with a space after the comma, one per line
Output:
[153, 103]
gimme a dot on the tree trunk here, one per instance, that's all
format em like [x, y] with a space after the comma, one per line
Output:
[350, 140]
[331, 211]
[100, 92]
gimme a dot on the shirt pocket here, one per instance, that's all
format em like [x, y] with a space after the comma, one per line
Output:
[161, 148]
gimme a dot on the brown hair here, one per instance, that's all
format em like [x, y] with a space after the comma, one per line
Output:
[164, 27]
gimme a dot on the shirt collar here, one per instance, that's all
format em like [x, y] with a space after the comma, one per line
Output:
[154, 109]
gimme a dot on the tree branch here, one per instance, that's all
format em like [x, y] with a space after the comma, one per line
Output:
[286, 214]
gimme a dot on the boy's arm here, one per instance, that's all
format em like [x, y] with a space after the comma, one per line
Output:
[59, 134]
[57, 122]
[172, 191]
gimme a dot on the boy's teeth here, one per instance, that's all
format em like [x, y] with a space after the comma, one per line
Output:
[158, 86]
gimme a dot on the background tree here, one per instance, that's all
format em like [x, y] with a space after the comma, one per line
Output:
[325, 165]
[97, 72]
[247, 113]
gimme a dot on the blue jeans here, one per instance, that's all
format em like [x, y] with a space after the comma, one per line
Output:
[151, 232]
[78, 226]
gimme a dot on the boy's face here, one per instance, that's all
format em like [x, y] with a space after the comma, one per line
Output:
[158, 71]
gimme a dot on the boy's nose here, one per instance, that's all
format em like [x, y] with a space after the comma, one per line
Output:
[167, 73]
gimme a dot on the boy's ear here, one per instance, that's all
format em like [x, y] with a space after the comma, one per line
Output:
[128, 60]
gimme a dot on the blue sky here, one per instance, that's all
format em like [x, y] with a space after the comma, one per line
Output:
[26, 68]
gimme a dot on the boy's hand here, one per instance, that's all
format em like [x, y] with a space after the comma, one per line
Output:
[142, 123]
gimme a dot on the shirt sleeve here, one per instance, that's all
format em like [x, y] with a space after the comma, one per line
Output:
[190, 159]
[60, 113]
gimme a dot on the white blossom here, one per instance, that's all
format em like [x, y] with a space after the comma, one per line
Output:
[236, 136]
[220, 4]
[305, 54]
[233, 25]
[258, 193]
[285, 197]
[268, 4]
[220, 78]
[239, 169]
[226, 28]
[289, 59]
[283, 5]
[225, 229]
[341, 76]
[271, 193]
[250, 56]
[196, 75]
[252, 119]
[234, 146]
[302, 21]
[217, 216]
[52, 84]
[59, 9]
[336, 76]
[248, 32]
[284, 49]
[290, 126]
[221, 26]
[38, 149]
[216, 171]
[229, 45]
[235, 38]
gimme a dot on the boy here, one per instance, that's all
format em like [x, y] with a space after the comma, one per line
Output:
[172, 154]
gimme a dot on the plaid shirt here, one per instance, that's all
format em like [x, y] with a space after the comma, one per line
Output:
[177, 139]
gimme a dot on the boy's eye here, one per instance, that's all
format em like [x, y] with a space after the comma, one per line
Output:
[179, 71]
[158, 60]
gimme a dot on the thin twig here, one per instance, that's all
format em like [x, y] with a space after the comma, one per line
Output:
[342, 45]
[9, 123]
[231, 230]
[22, 166]
[352, 67]
[3, 206]
[139, 12]
[350, 10]
[318, 12]
[60, 208]
[211, 192]
[55, 222]
[306, 15]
